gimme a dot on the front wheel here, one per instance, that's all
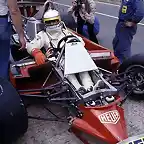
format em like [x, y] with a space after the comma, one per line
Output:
[134, 68]
[13, 114]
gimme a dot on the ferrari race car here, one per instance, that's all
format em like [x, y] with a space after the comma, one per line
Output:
[97, 113]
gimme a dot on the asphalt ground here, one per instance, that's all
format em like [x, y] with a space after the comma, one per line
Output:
[47, 132]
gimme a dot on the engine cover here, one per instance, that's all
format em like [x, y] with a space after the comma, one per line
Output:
[77, 59]
[13, 115]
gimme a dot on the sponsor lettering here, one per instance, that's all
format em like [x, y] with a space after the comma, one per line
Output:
[138, 141]
[135, 141]
[110, 117]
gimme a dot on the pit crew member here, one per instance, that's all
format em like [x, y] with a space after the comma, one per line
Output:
[130, 14]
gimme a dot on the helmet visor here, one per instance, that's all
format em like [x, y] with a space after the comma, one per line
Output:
[52, 21]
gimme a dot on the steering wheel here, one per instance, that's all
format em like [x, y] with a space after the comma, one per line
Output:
[74, 39]
[54, 51]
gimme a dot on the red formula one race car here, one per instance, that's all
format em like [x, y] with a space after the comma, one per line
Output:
[97, 112]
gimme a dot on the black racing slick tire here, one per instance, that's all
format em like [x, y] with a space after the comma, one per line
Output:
[135, 63]
[13, 114]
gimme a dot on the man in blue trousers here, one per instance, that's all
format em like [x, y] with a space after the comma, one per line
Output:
[130, 14]
[8, 7]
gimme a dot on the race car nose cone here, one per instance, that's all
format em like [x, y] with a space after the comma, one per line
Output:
[106, 123]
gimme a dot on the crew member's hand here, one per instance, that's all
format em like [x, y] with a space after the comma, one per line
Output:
[39, 57]
[129, 24]
[22, 42]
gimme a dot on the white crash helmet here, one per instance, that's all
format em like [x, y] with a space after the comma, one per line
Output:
[51, 19]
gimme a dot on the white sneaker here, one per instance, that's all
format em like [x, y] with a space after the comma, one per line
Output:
[110, 99]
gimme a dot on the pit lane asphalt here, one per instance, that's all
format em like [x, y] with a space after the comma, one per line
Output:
[46, 132]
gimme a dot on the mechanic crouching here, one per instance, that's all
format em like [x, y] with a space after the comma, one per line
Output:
[48, 39]
[84, 10]
[130, 14]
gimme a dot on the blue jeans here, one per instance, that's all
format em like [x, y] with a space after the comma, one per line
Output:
[80, 24]
[5, 34]
[122, 41]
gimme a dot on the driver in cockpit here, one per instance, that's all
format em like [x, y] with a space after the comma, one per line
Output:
[48, 38]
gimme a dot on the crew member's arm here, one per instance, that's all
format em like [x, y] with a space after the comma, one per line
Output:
[33, 48]
[16, 19]
[139, 11]
[90, 16]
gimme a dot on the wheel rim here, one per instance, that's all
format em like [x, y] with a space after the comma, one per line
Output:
[137, 77]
